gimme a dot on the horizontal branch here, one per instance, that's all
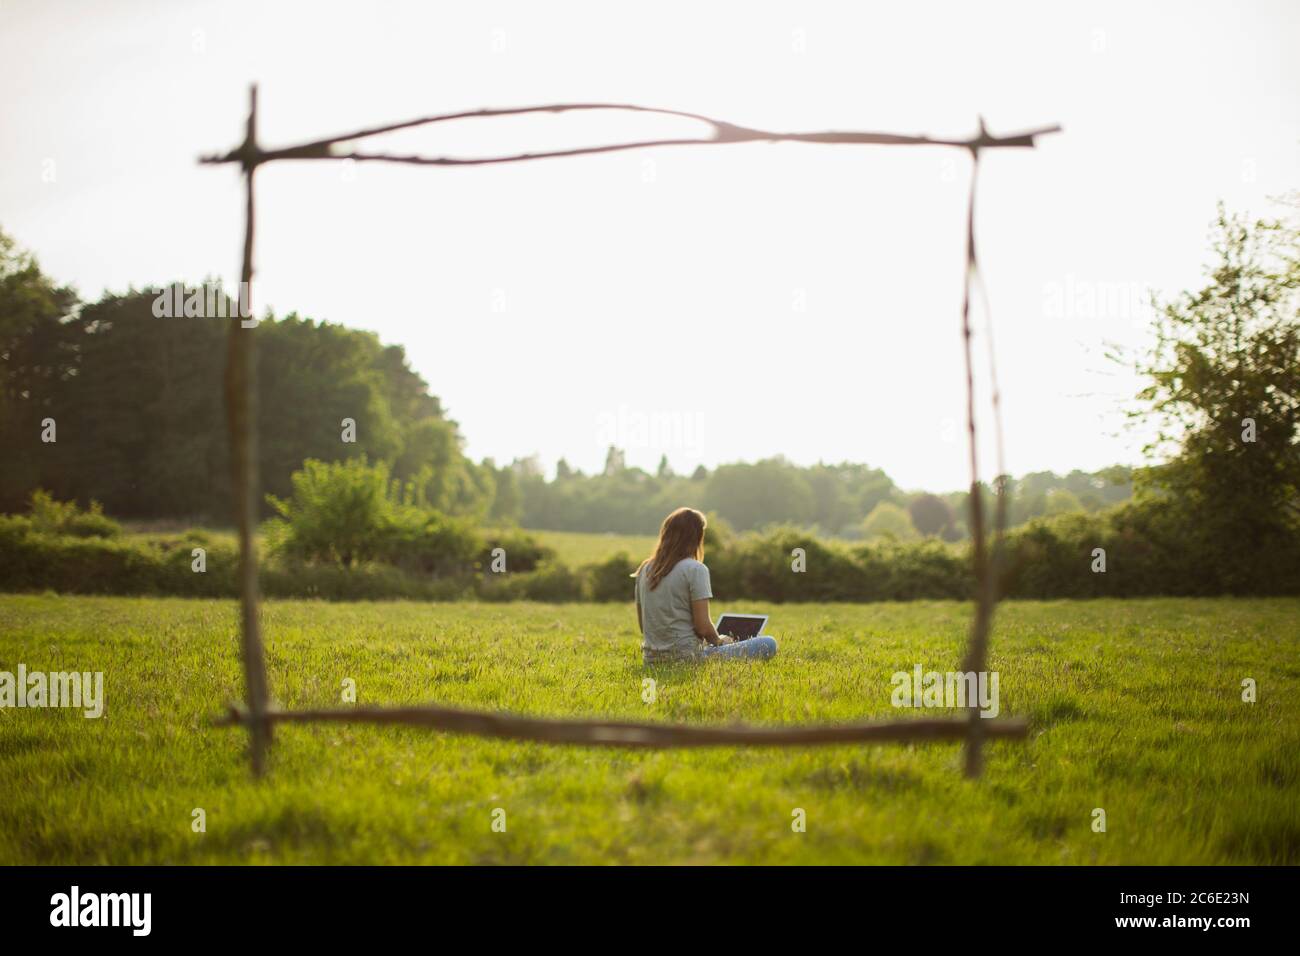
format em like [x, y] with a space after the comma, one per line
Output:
[721, 133]
[599, 733]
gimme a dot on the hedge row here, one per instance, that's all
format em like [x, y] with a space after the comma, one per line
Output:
[33, 561]
[1052, 558]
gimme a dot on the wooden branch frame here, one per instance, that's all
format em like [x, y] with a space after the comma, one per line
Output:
[633, 734]
[241, 413]
[722, 132]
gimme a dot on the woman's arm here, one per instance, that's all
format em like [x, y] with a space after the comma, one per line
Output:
[703, 623]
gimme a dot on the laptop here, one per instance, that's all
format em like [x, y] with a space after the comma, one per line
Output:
[742, 627]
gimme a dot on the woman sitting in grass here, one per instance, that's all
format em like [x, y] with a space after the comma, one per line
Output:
[672, 599]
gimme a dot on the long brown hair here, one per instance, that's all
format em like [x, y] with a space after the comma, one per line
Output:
[680, 536]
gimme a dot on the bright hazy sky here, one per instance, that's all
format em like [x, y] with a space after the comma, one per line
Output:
[715, 303]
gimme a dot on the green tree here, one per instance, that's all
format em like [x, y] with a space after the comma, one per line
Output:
[138, 403]
[888, 520]
[1225, 396]
[507, 502]
[772, 491]
[615, 461]
[930, 514]
[1062, 501]
[38, 349]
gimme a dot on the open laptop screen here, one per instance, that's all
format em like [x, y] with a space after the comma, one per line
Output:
[742, 626]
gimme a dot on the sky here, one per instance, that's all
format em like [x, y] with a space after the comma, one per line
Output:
[710, 304]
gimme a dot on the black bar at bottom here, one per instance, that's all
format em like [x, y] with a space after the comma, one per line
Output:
[303, 904]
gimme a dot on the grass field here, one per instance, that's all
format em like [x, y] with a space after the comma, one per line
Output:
[1135, 707]
[576, 548]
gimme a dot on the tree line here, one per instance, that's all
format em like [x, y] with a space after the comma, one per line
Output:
[137, 404]
[107, 401]
[846, 500]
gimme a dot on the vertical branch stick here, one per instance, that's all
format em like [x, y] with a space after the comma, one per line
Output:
[997, 554]
[241, 420]
[977, 647]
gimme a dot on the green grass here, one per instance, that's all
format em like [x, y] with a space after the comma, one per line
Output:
[1134, 706]
[576, 548]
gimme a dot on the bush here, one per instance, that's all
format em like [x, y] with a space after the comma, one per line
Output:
[37, 562]
[350, 513]
[905, 572]
[523, 551]
[1150, 549]
[64, 517]
[717, 532]
[553, 582]
[762, 566]
[196, 538]
[499, 588]
[422, 555]
[611, 579]
[339, 513]
[428, 543]
[549, 582]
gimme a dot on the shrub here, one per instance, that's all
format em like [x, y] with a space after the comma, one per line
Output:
[349, 513]
[500, 587]
[611, 579]
[38, 562]
[423, 555]
[762, 566]
[717, 532]
[338, 512]
[523, 551]
[552, 582]
[64, 517]
[428, 543]
[932, 569]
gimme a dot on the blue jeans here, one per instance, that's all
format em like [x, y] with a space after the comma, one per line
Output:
[756, 648]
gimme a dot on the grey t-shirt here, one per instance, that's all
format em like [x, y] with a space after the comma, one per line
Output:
[666, 623]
